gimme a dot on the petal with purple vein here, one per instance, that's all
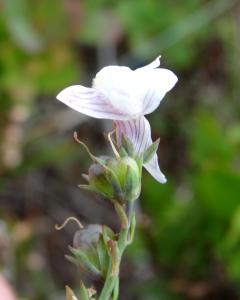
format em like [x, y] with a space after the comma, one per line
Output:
[139, 132]
[90, 102]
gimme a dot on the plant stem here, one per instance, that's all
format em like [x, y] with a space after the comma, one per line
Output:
[111, 286]
[116, 290]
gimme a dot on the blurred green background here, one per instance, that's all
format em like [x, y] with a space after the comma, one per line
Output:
[188, 239]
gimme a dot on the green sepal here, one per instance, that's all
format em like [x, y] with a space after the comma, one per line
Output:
[92, 255]
[72, 259]
[109, 186]
[150, 151]
[128, 174]
[114, 182]
[87, 187]
[102, 256]
[85, 262]
[105, 192]
[84, 292]
[127, 145]
[123, 152]
[102, 160]
[139, 161]
[132, 185]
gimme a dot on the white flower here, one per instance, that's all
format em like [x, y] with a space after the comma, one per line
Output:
[125, 96]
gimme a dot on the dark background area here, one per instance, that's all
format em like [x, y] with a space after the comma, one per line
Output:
[187, 243]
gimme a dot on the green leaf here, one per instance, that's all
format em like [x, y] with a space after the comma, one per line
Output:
[150, 151]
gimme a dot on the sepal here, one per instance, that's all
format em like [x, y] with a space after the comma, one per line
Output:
[85, 262]
[150, 151]
[102, 256]
[127, 145]
[115, 178]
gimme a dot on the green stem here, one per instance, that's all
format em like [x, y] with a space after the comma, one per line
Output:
[116, 290]
[111, 286]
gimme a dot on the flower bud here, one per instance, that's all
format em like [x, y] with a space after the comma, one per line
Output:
[127, 171]
[116, 178]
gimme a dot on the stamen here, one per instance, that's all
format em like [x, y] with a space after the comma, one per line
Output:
[59, 227]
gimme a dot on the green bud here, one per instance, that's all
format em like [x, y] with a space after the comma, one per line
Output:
[127, 171]
[115, 178]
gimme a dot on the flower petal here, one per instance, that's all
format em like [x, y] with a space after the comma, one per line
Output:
[90, 102]
[139, 132]
[121, 87]
[154, 64]
[159, 82]
[153, 168]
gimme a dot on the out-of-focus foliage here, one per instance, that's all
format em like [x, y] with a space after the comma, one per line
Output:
[188, 240]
